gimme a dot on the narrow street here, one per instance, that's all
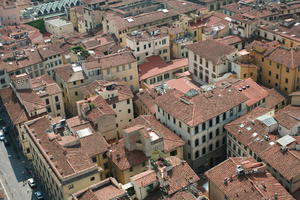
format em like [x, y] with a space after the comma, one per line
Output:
[13, 174]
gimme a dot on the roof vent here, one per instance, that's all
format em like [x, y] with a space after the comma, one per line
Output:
[283, 149]
[244, 87]
[240, 170]
[247, 86]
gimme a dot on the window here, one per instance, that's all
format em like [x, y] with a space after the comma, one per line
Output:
[217, 132]
[210, 135]
[76, 93]
[138, 49]
[217, 119]
[197, 154]
[71, 186]
[286, 80]
[49, 109]
[166, 76]
[203, 126]
[204, 151]
[58, 107]
[92, 178]
[210, 123]
[114, 105]
[224, 140]
[106, 166]
[173, 153]
[56, 98]
[164, 41]
[277, 76]
[217, 144]
[130, 169]
[174, 120]
[195, 57]
[128, 101]
[145, 46]
[129, 111]
[196, 129]
[196, 142]
[47, 101]
[130, 77]
[287, 70]
[188, 129]
[210, 147]
[180, 124]
[270, 73]
[94, 159]
[159, 78]
[203, 138]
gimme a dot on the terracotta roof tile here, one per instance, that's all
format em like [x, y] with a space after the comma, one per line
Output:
[66, 153]
[181, 176]
[155, 65]
[254, 92]
[15, 111]
[111, 60]
[124, 159]
[289, 163]
[204, 49]
[274, 98]
[145, 178]
[170, 139]
[250, 187]
[203, 106]
[288, 116]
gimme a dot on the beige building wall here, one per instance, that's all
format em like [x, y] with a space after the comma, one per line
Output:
[9, 15]
[128, 73]
[124, 112]
[55, 106]
[143, 49]
[59, 27]
[58, 189]
[214, 192]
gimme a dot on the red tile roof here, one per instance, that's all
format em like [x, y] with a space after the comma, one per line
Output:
[61, 151]
[155, 66]
[145, 178]
[274, 98]
[201, 107]
[108, 189]
[286, 163]
[204, 49]
[251, 187]
[125, 159]
[14, 109]
[252, 90]
[170, 139]
[111, 60]
[181, 176]
[288, 116]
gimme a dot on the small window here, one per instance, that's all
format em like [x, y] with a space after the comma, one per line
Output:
[94, 159]
[173, 153]
[129, 111]
[128, 101]
[114, 105]
[92, 178]
[131, 169]
[56, 98]
[71, 186]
